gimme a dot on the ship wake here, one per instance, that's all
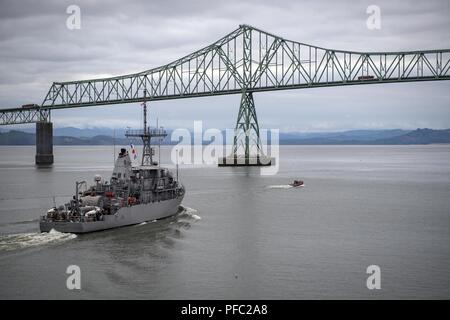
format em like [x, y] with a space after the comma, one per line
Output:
[190, 212]
[280, 186]
[27, 240]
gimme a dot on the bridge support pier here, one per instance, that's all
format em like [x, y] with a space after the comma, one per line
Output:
[44, 143]
[247, 149]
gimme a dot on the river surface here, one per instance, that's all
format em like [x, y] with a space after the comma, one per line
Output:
[241, 235]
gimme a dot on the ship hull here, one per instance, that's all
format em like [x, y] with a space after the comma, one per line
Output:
[123, 217]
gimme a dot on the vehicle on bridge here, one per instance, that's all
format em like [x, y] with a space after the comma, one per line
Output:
[363, 78]
[30, 106]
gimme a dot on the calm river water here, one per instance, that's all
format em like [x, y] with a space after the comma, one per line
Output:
[241, 235]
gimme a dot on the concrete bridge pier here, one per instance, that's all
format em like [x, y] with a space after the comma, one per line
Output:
[44, 143]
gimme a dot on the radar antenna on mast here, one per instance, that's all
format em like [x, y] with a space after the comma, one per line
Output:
[146, 134]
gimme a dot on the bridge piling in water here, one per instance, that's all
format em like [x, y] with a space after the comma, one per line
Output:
[247, 149]
[44, 143]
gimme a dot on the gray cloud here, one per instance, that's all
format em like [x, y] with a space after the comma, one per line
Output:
[120, 37]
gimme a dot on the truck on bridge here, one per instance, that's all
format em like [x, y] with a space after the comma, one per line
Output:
[363, 78]
[30, 106]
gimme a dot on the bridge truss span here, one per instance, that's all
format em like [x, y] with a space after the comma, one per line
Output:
[253, 60]
[24, 115]
[245, 61]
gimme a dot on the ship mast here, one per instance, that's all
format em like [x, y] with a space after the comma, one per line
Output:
[147, 149]
[146, 135]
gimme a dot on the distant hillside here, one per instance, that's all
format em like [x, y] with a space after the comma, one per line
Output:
[337, 137]
[419, 136]
[354, 137]
[96, 140]
[14, 137]
[390, 137]
[81, 133]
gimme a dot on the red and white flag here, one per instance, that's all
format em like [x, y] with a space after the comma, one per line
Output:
[133, 151]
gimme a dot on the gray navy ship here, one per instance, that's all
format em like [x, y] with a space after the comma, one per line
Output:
[133, 194]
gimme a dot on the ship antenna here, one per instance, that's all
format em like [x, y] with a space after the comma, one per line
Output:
[177, 162]
[146, 135]
[159, 144]
[145, 111]
[147, 151]
[114, 142]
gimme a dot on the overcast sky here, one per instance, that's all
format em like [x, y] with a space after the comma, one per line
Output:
[121, 37]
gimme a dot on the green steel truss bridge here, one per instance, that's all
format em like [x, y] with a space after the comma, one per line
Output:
[244, 61]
